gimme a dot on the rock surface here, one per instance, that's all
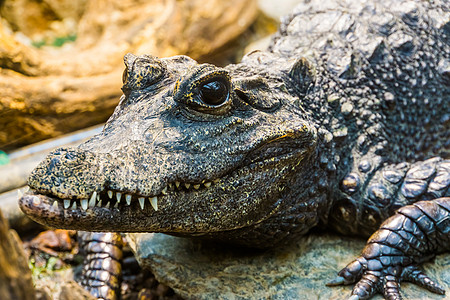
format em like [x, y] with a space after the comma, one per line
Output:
[201, 270]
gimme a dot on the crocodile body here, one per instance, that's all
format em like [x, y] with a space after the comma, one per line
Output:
[341, 123]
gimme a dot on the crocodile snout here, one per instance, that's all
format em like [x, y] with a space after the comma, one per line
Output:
[64, 173]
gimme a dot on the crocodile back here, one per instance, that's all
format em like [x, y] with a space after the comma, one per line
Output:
[383, 73]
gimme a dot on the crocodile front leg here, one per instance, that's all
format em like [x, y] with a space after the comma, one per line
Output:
[102, 265]
[369, 195]
[414, 234]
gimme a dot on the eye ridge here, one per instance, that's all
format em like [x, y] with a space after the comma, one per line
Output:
[214, 92]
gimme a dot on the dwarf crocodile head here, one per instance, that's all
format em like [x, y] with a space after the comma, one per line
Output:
[191, 149]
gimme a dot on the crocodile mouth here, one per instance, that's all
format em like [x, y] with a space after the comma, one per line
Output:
[110, 199]
[115, 210]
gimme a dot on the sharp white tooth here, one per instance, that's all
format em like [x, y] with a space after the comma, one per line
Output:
[55, 204]
[128, 199]
[66, 204]
[170, 186]
[141, 202]
[99, 203]
[84, 204]
[98, 197]
[116, 205]
[187, 185]
[196, 186]
[118, 196]
[110, 194]
[74, 205]
[94, 196]
[164, 191]
[107, 205]
[93, 200]
[208, 184]
[154, 202]
[216, 180]
[177, 184]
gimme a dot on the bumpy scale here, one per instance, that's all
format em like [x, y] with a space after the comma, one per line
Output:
[343, 123]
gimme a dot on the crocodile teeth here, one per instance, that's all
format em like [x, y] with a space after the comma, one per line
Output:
[164, 191]
[128, 199]
[110, 194]
[177, 184]
[99, 203]
[196, 186]
[154, 202]
[84, 204]
[141, 202]
[187, 185]
[107, 205]
[98, 197]
[92, 201]
[171, 186]
[55, 204]
[74, 205]
[207, 184]
[118, 196]
[66, 204]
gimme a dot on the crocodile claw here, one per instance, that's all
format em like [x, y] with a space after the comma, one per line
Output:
[337, 281]
[393, 252]
[387, 281]
[416, 276]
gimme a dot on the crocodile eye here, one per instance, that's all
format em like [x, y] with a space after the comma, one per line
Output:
[214, 92]
[207, 89]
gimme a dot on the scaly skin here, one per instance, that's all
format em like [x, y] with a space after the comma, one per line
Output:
[342, 122]
[102, 265]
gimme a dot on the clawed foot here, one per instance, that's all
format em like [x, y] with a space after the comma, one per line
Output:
[413, 235]
[372, 276]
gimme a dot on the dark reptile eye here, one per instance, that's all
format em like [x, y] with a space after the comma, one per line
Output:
[214, 92]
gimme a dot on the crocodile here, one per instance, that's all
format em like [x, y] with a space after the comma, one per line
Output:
[342, 124]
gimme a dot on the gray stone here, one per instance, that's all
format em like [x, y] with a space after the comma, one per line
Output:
[203, 270]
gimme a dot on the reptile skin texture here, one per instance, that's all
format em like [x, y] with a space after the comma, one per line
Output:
[393, 252]
[102, 265]
[342, 124]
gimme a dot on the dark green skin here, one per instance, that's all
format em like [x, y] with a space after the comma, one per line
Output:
[342, 121]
